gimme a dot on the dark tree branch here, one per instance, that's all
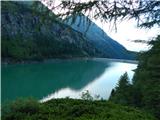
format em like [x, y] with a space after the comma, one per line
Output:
[145, 12]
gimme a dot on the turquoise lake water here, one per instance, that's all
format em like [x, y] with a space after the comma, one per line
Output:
[62, 78]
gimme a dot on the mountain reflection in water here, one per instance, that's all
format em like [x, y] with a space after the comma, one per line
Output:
[61, 78]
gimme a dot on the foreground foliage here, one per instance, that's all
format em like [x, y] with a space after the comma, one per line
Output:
[145, 90]
[147, 79]
[71, 109]
[122, 93]
[145, 12]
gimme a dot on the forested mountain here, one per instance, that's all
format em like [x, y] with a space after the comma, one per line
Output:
[30, 34]
[35, 34]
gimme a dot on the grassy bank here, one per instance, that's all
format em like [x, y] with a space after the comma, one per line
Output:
[71, 109]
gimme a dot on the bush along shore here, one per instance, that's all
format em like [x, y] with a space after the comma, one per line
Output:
[71, 109]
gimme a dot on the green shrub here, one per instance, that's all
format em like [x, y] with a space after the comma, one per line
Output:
[71, 109]
[20, 108]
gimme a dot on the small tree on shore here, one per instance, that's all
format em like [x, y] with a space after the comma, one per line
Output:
[121, 93]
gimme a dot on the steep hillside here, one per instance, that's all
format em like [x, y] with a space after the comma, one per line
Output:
[99, 39]
[30, 34]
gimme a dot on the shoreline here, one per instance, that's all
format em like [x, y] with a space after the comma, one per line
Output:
[118, 60]
[9, 62]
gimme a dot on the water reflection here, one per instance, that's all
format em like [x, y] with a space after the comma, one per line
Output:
[101, 85]
[39, 80]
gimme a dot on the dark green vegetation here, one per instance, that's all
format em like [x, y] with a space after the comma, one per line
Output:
[70, 109]
[122, 91]
[32, 32]
[145, 90]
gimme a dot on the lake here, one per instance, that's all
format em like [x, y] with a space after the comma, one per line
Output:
[62, 78]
